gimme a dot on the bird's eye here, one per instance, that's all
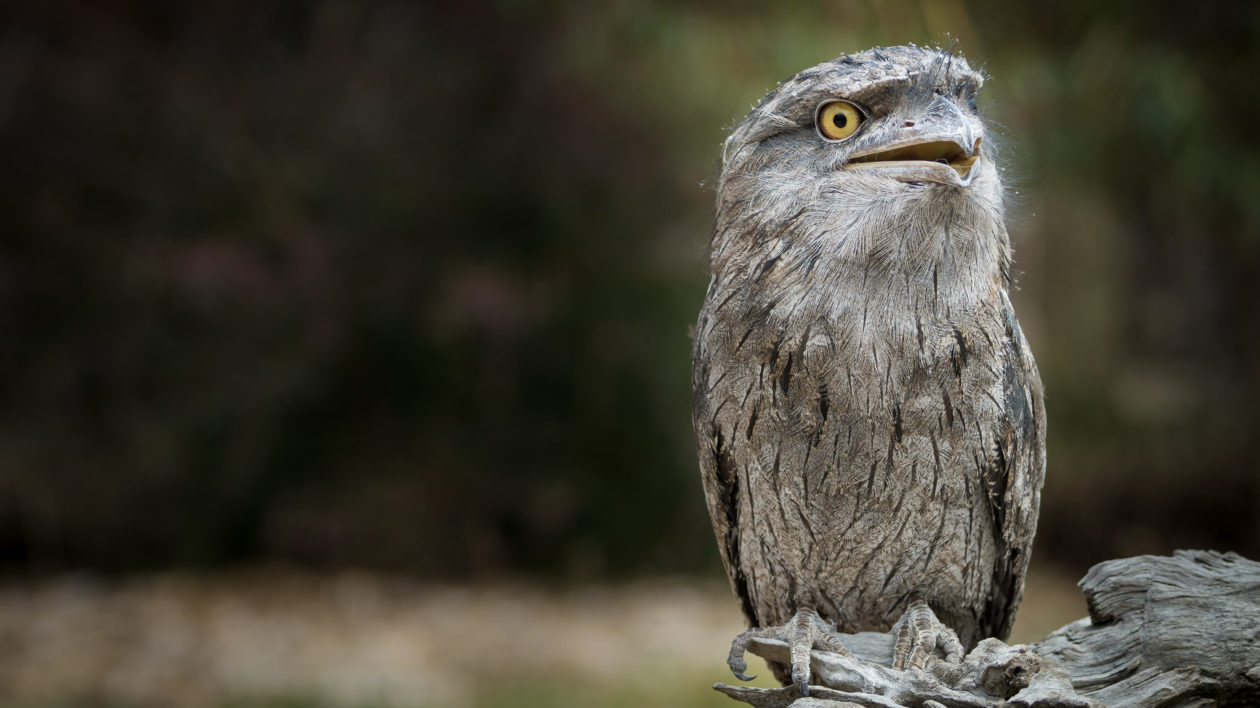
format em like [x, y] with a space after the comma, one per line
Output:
[838, 120]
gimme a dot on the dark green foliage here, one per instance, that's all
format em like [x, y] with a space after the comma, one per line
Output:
[410, 286]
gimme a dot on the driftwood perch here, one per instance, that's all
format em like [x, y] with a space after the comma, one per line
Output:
[1162, 631]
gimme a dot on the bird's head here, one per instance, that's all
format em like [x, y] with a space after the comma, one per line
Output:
[889, 135]
[902, 113]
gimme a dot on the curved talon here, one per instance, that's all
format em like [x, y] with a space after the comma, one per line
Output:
[736, 658]
[804, 633]
[738, 667]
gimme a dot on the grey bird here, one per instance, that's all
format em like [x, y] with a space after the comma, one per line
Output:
[869, 417]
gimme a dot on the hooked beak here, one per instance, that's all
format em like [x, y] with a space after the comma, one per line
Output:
[942, 147]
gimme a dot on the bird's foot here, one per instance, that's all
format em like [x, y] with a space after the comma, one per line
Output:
[919, 634]
[803, 633]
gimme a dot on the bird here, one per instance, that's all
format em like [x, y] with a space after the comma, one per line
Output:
[869, 417]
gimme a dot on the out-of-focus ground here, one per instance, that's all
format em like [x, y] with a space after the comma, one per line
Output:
[292, 638]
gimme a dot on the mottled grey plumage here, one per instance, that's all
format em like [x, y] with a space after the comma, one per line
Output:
[869, 417]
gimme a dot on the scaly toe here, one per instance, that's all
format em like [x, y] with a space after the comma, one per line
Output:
[919, 634]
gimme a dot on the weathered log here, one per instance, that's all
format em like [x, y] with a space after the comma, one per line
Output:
[1163, 631]
[1168, 631]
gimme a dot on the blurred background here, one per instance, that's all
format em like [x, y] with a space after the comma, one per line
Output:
[346, 345]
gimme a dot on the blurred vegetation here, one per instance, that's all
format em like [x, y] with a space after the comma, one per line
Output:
[409, 285]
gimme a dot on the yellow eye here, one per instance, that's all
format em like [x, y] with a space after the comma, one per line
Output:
[838, 120]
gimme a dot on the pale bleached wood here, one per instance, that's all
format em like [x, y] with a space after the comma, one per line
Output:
[1180, 630]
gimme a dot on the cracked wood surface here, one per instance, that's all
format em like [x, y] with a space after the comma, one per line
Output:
[1180, 630]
